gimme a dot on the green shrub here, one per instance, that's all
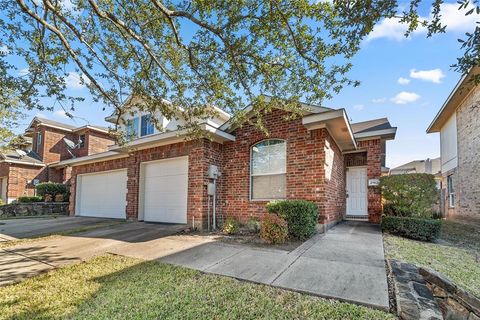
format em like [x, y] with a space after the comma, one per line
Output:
[27, 199]
[414, 228]
[52, 189]
[253, 225]
[230, 226]
[273, 229]
[301, 216]
[409, 194]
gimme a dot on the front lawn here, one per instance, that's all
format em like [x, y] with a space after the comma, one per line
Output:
[455, 254]
[116, 287]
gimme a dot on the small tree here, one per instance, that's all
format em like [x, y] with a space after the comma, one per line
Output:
[409, 194]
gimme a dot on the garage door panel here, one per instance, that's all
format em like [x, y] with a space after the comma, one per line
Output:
[102, 194]
[165, 188]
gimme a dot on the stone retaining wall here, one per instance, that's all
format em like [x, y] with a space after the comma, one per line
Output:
[33, 209]
[455, 303]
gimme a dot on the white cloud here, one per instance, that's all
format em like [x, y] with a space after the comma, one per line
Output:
[379, 100]
[23, 72]
[403, 81]
[405, 97]
[72, 81]
[67, 5]
[4, 49]
[61, 114]
[434, 75]
[358, 107]
[454, 20]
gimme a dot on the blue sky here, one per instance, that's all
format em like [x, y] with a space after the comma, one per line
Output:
[410, 103]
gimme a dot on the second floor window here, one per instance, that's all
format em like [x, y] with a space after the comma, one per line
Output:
[147, 125]
[81, 141]
[131, 128]
[38, 144]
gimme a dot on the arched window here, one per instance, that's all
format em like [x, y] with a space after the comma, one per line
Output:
[268, 170]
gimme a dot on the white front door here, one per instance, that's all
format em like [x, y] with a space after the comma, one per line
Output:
[164, 190]
[357, 191]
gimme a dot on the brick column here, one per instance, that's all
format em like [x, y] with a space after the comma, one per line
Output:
[374, 171]
[133, 179]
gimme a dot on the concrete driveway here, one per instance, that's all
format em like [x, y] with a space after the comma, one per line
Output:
[31, 258]
[347, 263]
[33, 227]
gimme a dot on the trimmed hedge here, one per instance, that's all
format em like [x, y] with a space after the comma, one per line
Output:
[52, 189]
[414, 228]
[273, 229]
[29, 199]
[301, 216]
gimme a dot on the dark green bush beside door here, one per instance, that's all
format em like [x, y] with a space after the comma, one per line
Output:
[301, 216]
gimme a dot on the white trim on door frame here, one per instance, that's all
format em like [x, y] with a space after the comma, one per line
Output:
[348, 192]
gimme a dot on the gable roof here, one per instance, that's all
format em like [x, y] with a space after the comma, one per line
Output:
[372, 128]
[431, 166]
[454, 99]
[62, 126]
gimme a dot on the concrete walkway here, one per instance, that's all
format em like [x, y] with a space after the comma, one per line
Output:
[347, 264]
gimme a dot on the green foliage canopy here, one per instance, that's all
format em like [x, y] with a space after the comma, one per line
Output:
[182, 56]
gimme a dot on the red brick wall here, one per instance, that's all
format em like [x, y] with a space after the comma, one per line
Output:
[305, 169]
[53, 147]
[95, 142]
[374, 171]
[20, 175]
[200, 153]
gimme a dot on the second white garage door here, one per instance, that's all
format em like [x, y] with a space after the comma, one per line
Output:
[163, 193]
[102, 194]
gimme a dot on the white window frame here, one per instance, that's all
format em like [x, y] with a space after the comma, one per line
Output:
[38, 142]
[142, 117]
[266, 174]
[450, 191]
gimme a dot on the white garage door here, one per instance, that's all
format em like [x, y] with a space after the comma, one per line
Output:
[102, 194]
[163, 194]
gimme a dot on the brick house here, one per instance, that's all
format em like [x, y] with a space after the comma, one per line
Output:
[166, 177]
[458, 122]
[20, 170]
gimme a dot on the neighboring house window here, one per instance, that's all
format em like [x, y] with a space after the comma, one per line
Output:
[81, 142]
[38, 143]
[451, 191]
[131, 128]
[147, 125]
[268, 170]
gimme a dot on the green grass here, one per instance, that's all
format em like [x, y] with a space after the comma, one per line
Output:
[461, 234]
[12, 243]
[116, 287]
[459, 264]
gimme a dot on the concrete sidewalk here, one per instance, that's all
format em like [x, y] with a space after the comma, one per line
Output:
[347, 264]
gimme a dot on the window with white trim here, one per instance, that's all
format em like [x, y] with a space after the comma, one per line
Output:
[131, 128]
[451, 191]
[268, 168]
[38, 144]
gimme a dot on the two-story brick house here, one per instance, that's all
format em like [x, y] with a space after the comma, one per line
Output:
[167, 177]
[458, 122]
[20, 170]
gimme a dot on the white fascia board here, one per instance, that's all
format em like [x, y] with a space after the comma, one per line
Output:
[108, 155]
[376, 133]
[24, 163]
[89, 127]
[171, 137]
[318, 118]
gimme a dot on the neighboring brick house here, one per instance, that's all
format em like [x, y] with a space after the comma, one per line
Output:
[20, 170]
[458, 123]
[167, 177]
